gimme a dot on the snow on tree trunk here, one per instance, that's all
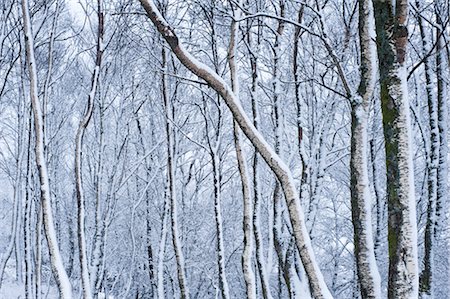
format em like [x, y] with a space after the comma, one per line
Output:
[223, 283]
[259, 242]
[442, 206]
[392, 37]
[27, 223]
[171, 181]
[361, 199]
[162, 246]
[85, 280]
[247, 254]
[317, 283]
[425, 279]
[62, 280]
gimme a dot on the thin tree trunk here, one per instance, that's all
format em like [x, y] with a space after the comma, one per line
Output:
[257, 198]
[223, 283]
[392, 36]
[38, 268]
[283, 252]
[171, 181]
[100, 230]
[27, 222]
[426, 276]
[62, 280]
[247, 264]
[442, 205]
[85, 280]
[162, 246]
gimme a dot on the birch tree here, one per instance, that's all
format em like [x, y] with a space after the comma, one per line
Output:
[247, 254]
[368, 276]
[392, 36]
[316, 280]
[59, 272]
[86, 285]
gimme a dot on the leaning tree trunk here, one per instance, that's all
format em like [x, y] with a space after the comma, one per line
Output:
[317, 283]
[62, 280]
[361, 199]
[392, 37]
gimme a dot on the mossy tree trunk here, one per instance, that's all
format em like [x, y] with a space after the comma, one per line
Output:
[392, 37]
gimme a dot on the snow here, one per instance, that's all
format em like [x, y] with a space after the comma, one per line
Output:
[272, 159]
[412, 266]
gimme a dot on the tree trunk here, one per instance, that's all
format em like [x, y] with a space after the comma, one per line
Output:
[85, 280]
[171, 181]
[247, 254]
[62, 280]
[361, 200]
[425, 279]
[392, 35]
[318, 286]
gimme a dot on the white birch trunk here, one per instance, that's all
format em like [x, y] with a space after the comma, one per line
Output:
[162, 247]
[257, 197]
[247, 264]
[317, 283]
[392, 36]
[426, 276]
[82, 248]
[361, 199]
[171, 181]
[62, 280]
[442, 206]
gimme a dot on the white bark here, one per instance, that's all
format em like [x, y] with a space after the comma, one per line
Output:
[318, 286]
[85, 280]
[171, 181]
[426, 276]
[368, 275]
[247, 264]
[62, 280]
[392, 37]
[162, 247]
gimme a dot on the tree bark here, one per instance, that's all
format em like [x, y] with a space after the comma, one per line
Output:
[247, 254]
[425, 279]
[361, 199]
[318, 286]
[171, 181]
[85, 280]
[62, 280]
[392, 35]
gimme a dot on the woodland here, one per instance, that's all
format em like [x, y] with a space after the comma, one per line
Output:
[275, 149]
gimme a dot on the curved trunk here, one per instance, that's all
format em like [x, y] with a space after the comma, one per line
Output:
[317, 283]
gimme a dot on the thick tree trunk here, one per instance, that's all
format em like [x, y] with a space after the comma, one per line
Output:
[392, 36]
